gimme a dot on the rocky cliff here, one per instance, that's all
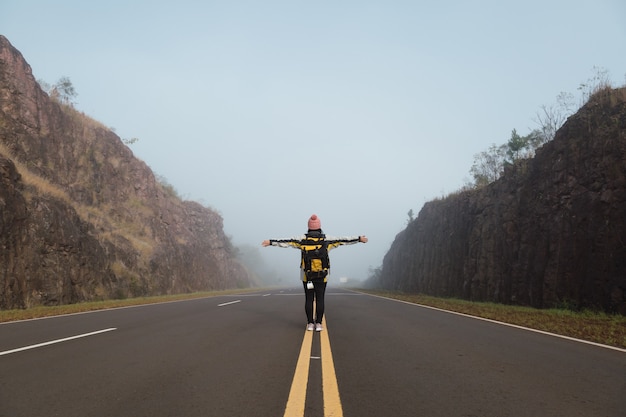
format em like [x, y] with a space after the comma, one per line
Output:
[550, 232]
[81, 218]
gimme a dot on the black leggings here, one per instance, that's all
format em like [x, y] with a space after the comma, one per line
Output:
[319, 288]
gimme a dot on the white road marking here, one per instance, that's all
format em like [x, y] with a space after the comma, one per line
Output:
[573, 339]
[229, 303]
[7, 352]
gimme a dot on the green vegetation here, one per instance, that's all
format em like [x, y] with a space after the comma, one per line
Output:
[489, 165]
[62, 91]
[587, 325]
[50, 311]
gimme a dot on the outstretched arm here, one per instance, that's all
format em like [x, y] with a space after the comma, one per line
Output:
[334, 242]
[296, 242]
[284, 243]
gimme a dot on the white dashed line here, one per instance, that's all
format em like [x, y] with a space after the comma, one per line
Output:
[6, 352]
[229, 303]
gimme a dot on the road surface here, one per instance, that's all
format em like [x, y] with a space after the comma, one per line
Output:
[249, 355]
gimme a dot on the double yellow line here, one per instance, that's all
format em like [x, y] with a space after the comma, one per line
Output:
[297, 394]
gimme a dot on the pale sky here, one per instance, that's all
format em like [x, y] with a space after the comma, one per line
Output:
[358, 111]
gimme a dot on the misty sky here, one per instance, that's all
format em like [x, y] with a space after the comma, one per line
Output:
[358, 111]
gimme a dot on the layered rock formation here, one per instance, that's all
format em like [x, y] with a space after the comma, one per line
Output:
[550, 232]
[81, 218]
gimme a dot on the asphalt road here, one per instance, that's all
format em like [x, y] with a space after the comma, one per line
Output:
[238, 356]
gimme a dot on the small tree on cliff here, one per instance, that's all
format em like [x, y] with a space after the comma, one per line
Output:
[62, 91]
[520, 147]
[516, 146]
[488, 165]
[551, 118]
[66, 91]
[411, 218]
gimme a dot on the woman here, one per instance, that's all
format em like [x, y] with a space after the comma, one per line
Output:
[314, 288]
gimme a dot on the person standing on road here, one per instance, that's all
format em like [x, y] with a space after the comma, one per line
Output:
[314, 265]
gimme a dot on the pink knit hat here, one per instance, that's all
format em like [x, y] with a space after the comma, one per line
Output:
[314, 223]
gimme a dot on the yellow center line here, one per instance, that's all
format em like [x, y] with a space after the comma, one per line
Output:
[332, 402]
[297, 395]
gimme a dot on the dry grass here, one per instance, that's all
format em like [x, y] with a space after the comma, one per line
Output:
[595, 327]
[96, 216]
[29, 178]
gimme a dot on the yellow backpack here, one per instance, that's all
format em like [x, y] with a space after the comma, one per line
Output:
[315, 257]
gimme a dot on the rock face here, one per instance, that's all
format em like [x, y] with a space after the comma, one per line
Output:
[81, 218]
[550, 232]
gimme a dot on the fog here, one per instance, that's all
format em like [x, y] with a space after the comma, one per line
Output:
[357, 111]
